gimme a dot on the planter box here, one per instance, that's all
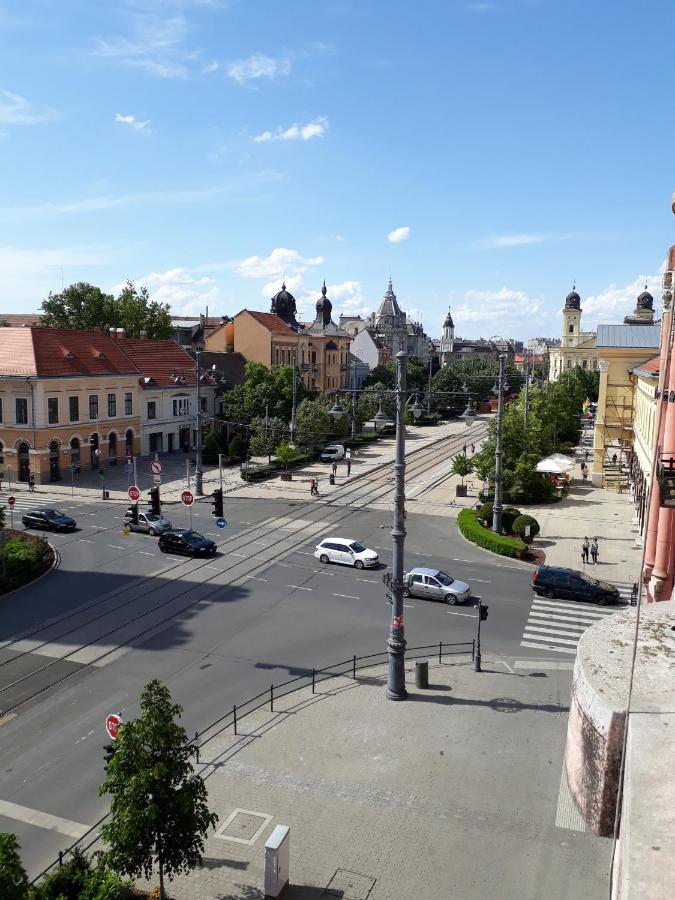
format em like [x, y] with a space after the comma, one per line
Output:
[287, 476]
[460, 490]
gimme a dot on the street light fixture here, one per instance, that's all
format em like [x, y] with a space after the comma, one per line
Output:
[380, 415]
[416, 409]
[336, 411]
[469, 414]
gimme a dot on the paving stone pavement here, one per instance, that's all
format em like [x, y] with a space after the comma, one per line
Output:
[453, 793]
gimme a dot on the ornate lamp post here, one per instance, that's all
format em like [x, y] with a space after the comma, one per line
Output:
[499, 389]
[396, 642]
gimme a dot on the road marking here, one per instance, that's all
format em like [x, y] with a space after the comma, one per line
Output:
[375, 547]
[115, 547]
[146, 553]
[243, 555]
[483, 580]
[409, 605]
[296, 587]
[542, 664]
[7, 718]
[572, 608]
[551, 617]
[542, 634]
[347, 596]
[212, 533]
[85, 541]
[366, 580]
[285, 565]
[255, 578]
[537, 646]
[451, 612]
[42, 819]
[417, 553]
[246, 523]
[305, 552]
[457, 559]
[217, 568]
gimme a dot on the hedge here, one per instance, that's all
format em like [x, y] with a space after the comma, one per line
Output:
[509, 516]
[473, 531]
[521, 523]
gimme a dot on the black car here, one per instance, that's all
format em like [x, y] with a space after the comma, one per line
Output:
[49, 520]
[190, 543]
[567, 584]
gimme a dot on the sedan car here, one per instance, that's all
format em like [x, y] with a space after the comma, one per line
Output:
[148, 523]
[347, 552]
[49, 520]
[189, 543]
[568, 584]
[432, 584]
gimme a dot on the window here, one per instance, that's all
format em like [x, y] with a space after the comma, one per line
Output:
[112, 406]
[128, 404]
[53, 410]
[93, 406]
[21, 411]
[74, 408]
[584, 364]
[181, 406]
[152, 409]
[571, 329]
[204, 403]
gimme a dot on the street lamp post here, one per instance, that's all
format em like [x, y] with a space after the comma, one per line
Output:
[527, 395]
[198, 464]
[295, 399]
[497, 505]
[396, 642]
[353, 387]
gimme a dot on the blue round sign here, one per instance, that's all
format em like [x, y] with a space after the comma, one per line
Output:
[221, 523]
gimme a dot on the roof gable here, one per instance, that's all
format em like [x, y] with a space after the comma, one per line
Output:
[270, 321]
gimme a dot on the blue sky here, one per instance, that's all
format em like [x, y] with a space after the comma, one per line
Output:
[486, 153]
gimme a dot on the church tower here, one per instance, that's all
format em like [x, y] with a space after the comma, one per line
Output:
[448, 340]
[571, 319]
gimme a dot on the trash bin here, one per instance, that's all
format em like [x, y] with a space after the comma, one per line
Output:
[422, 673]
[106, 495]
[331, 479]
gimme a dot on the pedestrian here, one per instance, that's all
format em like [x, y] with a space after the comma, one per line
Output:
[2, 476]
[586, 455]
[614, 458]
[334, 467]
[584, 473]
[349, 468]
[473, 449]
[594, 551]
[464, 449]
[31, 482]
[584, 550]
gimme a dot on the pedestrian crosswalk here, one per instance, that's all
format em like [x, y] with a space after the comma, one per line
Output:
[557, 625]
[38, 500]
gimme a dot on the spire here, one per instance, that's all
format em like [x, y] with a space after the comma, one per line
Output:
[323, 289]
[283, 285]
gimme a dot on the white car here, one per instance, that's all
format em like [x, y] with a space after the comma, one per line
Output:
[347, 552]
[332, 453]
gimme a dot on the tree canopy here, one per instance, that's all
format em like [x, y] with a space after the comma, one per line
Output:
[84, 306]
[263, 387]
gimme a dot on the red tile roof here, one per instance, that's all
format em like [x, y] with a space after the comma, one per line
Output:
[652, 366]
[159, 360]
[19, 320]
[59, 351]
[271, 322]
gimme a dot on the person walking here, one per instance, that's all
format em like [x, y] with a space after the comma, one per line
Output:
[586, 455]
[585, 547]
[2, 477]
[334, 467]
[473, 449]
[349, 467]
[31, 482]
[312, 487]
[594, 551]
[464, 449]
[584, 473]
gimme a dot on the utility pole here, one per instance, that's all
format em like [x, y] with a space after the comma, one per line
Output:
[431, 359]
[527, 395]
[198, 465]
[353, 387]
[396, 643]
[295, 399]
[497, 505]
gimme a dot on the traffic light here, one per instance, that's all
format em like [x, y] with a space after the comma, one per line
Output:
[134, 514]
[154, 501]
[218, 503]
[109, 752]
[483, 612]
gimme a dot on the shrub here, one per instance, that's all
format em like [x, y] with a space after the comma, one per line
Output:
[521, 523]
[509, 516]
[20, 556]
[286, 454]
[485, 513]
[237, 447]
[473, 531]
[13, 876]
[214, 443]
[66, 882]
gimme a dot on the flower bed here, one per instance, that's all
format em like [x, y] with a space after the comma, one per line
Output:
[23, 558]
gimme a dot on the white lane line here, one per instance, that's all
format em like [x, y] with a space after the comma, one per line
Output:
[85, 541]
[366, 580]
[305, 552]
[217, 568]
[42, 819]
[347, 596]
[409, 605]
[146, 553]
[466, 615]
[255, 578]
[243, 555]
[542, 664]
[375, 547]
[246, 523]
[557, 626]
[544, 634]
[285, 565]
[483, 580]
[296, 587]
[212, 533]
[417, 553]
[572, 650]
[100, 527]
[457, 559]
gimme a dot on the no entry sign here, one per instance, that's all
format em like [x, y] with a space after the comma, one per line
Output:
[156, 467]
[112, 723]
[186, 498]
[11, 501]
[134, 493]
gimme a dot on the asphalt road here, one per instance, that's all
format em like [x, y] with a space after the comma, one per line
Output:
[216, 631]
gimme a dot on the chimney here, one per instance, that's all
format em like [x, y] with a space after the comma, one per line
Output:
[144, 335]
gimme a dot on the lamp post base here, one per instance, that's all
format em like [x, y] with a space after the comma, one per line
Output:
[396, 675]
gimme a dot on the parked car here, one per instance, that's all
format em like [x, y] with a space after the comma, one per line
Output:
[49, 520]
[432, 584]
[332, 453]
[190, 543]
[148, 523]
[568, 584]
[347, 552]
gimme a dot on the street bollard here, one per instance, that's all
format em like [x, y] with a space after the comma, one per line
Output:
[422, 673]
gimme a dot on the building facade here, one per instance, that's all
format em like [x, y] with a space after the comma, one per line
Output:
[447, 343]
[645, 379]
[393, 328]
[577, 347]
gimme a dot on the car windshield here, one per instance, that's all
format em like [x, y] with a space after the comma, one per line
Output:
[356, 547]
[444, 579]
[53, 514]
[193, 537]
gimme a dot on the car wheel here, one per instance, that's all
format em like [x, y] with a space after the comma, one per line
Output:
[406, 591]
[451, 599]
[602, 600]
[358, 563]
[324, 559]
[547, 593]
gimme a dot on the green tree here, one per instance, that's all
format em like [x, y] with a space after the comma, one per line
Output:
[369, 401]
[13, 878]
[82, 306]
[158, 810]
[137, 312]
[286, 454]
[462, 466]
[267, 435]
[384, 374]
[237, 447]
[313, 424]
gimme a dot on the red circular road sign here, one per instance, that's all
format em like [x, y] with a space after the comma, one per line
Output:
[187, 498]
[112, 723]
[134, 493]
[156, 467]
[11, 501]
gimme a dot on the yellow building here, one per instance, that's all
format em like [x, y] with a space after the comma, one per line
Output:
[620, 348]
[645, 379]
[577, 347]
[320, 348]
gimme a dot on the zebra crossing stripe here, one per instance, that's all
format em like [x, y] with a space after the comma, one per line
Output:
[537, 646]
[545, 634]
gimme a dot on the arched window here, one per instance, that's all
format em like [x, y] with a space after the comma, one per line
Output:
[129, 442]
[112, 445]
[54, 463]
[75, 452]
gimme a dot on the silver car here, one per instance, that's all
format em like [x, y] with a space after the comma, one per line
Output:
[148, 523]
[432, 584]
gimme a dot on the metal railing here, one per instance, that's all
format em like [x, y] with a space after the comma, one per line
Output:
[267, 698]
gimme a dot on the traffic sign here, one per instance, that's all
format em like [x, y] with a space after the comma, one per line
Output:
[221, 523]
[186, 498]
[112, 723]
[156, 467]
[11, 501]
[134, 493]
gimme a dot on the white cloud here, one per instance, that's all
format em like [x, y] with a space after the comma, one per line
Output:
[29, 273]
[16, 110]
[317, 128]
[293, 284]
[210, 67]
[258, 66]
[399, 234]
[523, 239]
[131, 120]
[184, 293]
[614, 302]
[154, 45]
[280, 263]
[488, 306]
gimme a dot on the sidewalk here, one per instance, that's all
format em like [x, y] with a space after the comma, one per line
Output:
[452, 793]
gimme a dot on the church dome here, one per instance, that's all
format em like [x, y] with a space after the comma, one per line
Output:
[324, 307]
[573, 300]
[283, 295]
[645, 300]
[283, 305]
[448, 321]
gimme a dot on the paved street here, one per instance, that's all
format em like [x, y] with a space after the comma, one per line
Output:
[81, 642]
